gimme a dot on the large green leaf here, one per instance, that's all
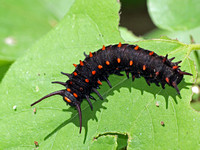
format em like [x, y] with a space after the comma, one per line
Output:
[175, 14]
[127, 109]
[127, 35]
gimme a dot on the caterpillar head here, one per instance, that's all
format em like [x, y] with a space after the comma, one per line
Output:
[68, 98]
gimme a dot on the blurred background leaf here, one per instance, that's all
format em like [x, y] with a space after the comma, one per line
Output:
[175, 14]
[23, 23]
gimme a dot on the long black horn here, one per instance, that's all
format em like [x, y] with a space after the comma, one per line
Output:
[80, 115]
[61, 92]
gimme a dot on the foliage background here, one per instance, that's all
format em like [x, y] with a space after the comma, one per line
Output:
[47, 38]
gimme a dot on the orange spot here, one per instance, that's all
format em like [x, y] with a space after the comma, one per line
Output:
[75, 95]
[151, 53]
[68, 89]
[144, 67]
[93, 72]
[136, 47]
[91, 55]
[81, 63]
[167, 80]
[75, 74]
[157, 73]
[70, 82]
[131, 63]
[75, 65]
[107, 63]
[103, 48]
[68, 100]
[99, 82]
[118, 60]
[120, 44]
[175, 67]
[164, 59]
[117, 68]
[86, 80]
[100, 66]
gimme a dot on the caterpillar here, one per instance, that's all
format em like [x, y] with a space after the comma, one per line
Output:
[113, 59]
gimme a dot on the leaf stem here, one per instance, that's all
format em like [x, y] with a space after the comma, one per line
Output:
[194, 47]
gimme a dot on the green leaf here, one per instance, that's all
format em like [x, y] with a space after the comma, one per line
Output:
[175, 14]
[105, 142]
[127, 109]
[182, 36]
[24, 22]
[127, 35]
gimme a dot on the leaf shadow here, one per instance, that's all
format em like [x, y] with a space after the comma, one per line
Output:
[166, 93]
[139, 84]
[86, 116]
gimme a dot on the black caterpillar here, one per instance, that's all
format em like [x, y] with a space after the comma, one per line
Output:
[113, 59]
